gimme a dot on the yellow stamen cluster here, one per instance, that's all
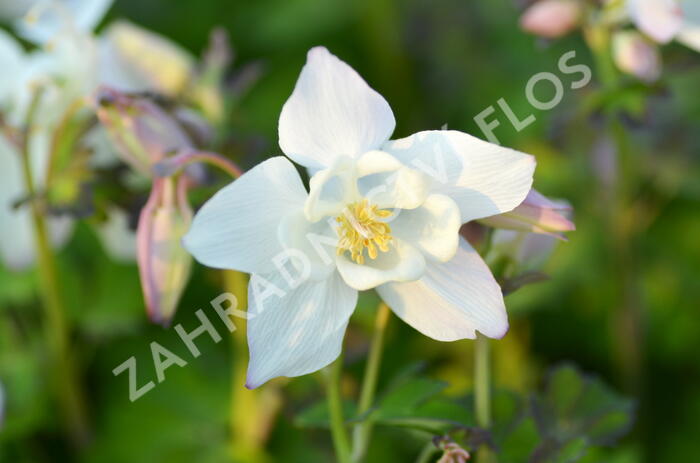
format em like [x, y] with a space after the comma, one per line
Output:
[360, 228]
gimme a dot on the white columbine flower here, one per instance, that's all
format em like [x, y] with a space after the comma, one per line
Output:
[379, 214]
[665, 20]
[23, 73]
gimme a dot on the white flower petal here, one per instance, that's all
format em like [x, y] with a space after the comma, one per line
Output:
[482, 178]
[315, 241]
[301, 331]
[332, 112]
[659, 19]
[452, 300]
[402, 262]
[386, 182]
[433, 227]
[118, 239]
[689, 34]
[331, 189]
[690, 37]
[11, 57]
[237, 227]
[49, 18]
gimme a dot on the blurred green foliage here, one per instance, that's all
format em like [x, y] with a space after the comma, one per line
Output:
[625, 309]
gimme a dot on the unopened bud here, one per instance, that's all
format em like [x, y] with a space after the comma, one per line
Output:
[164, 265]
[453, 453]
[536, 214]
[551, 18]
[142, 132]
[636, 55]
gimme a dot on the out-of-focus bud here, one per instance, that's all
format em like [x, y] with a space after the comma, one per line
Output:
[207, 90]
[529, 251]
[453, 453]
[135, 59]
[536, 214]
[164, 265]
[142, 132]
[636, 55]
[659, 19]
[551, 18]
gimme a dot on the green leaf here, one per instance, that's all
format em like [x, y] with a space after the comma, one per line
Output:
[520, 442]
[409, 395]
[316, 415]
[576, 412]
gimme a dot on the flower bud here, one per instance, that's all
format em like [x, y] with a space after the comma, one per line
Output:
[636, 55]
[453, 453]
[164, 265]
[529, 251]
[536, 214]
[135, 59]
[551, 18]
[142, 132]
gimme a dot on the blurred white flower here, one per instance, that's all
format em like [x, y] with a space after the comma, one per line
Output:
[135, 59]
[14, 9]
[67, 68]
[665, 20]
[47, 19]
[118, 238]
[389, 211]
[23, 75]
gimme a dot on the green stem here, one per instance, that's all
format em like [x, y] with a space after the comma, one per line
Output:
[64, 372]
[250, 412]
[341, 442]
[428, 451]
[482, 393]
[363, 431]
[174, 164]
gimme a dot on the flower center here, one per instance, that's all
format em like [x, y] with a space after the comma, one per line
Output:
[360, 229]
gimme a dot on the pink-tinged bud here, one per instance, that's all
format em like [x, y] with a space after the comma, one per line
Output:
[164, 265]
[536, 214]
[454, 454]
[636, 55]
[142, 132]
[529, 251]
[551, 18]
